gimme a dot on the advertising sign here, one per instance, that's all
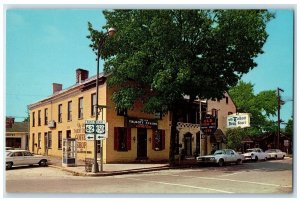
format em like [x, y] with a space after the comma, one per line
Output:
[141, 123]
[209, 124]
[238, 120]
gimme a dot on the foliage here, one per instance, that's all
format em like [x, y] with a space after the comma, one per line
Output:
[234, 137]
[157, 56]
[261, 106]
[289, 127]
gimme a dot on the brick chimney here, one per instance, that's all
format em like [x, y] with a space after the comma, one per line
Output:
[81, 75]
[56, 87]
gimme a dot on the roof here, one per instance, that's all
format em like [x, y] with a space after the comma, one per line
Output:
[19, 127]
[68, 89]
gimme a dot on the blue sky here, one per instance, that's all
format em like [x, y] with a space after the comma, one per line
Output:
[47, 46]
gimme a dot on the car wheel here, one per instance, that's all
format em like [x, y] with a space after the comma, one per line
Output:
[283, 157]
[266, 158]
[43, 163]
[221, 162]
[9, 165]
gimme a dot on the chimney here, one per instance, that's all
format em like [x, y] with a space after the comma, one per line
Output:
[9, 122]
[56, 87]
[81, 75]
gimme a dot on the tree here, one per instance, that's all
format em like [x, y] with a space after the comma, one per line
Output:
[261, 106]
[234, 137]
[289, 128]
[157, 56]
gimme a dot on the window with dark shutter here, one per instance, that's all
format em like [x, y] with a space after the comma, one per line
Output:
[122, 139]
[158, 140]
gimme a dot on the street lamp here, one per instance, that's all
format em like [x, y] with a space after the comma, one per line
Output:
[109, 33]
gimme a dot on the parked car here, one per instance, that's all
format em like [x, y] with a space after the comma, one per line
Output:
[221, 157]
[275, 154]
[255, 154]
[24, 157]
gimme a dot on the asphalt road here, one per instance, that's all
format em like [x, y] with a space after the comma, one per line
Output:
[270, 177]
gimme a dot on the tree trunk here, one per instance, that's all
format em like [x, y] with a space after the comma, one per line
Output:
[173, 136]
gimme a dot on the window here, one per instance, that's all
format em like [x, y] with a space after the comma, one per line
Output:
[32, 148]
[49, 140]
[68, 133]
[226, 99]
[33, 119]
[80, 108]
[158, 140]
[60, 113]
[39, 141]
[93, 104]
[59, 144]
[229, 113]
[46, 116]
[70, 111]
[122, 139]
[214, 112]
[39, 118]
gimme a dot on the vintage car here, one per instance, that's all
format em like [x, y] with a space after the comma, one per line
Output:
[24, 157]
[255, 154]
[220, 157]
[275, 154]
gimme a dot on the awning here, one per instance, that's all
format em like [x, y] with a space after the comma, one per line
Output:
[218, 137]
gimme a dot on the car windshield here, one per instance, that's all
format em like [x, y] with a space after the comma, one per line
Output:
[219, 152]
[250, 150]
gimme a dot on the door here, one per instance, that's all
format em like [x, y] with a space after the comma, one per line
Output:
[188, 144]
[141, 143]
[46, 144]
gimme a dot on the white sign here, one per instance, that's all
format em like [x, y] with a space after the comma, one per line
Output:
[92, 127]
[238, 120]
[286, 143]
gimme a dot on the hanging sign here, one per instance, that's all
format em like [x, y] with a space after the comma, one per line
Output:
[238, 120]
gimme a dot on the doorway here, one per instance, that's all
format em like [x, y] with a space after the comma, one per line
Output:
[141, 143]
[188, 144]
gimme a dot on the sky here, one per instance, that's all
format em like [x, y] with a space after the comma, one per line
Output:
[47, 46]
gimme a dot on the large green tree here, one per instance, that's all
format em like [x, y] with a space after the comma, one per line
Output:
[157, 56]
[262, 106]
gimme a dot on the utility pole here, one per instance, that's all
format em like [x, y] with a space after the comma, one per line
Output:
[279, 102]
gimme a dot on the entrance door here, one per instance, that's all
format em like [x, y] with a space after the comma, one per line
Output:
[141, 143]
[188, 144]
[46, 144]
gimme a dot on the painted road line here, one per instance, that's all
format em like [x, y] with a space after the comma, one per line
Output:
[241, 181]
[232, 174]
[182, 185]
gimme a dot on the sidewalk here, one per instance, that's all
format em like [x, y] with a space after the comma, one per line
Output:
[108, 169]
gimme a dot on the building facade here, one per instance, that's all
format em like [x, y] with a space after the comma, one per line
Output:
[132, 134]
[16, 134]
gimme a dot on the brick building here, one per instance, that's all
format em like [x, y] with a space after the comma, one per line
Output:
[132, 134]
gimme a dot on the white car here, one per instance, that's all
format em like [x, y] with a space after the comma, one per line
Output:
[255, 154]
[221, 157]
[24, 157]
[275, 154]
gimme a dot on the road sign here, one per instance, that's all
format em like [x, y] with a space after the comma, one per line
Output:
[98, 127]
[286, 143]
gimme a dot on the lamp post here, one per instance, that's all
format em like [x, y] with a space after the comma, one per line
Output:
[109, 33]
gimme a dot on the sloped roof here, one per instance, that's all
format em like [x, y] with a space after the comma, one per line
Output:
[19, 127]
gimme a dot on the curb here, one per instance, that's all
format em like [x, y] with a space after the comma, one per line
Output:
[111, 173]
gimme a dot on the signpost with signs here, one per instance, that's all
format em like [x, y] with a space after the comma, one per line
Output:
[99, 127]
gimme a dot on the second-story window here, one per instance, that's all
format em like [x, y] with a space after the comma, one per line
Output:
[39, 118]
[93, 104]
[214, 112]
[46, 116]
[80, 108]
[60, 113]
[70, 111]
[33, 119]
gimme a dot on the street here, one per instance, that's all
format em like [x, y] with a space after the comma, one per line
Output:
[264, 177]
